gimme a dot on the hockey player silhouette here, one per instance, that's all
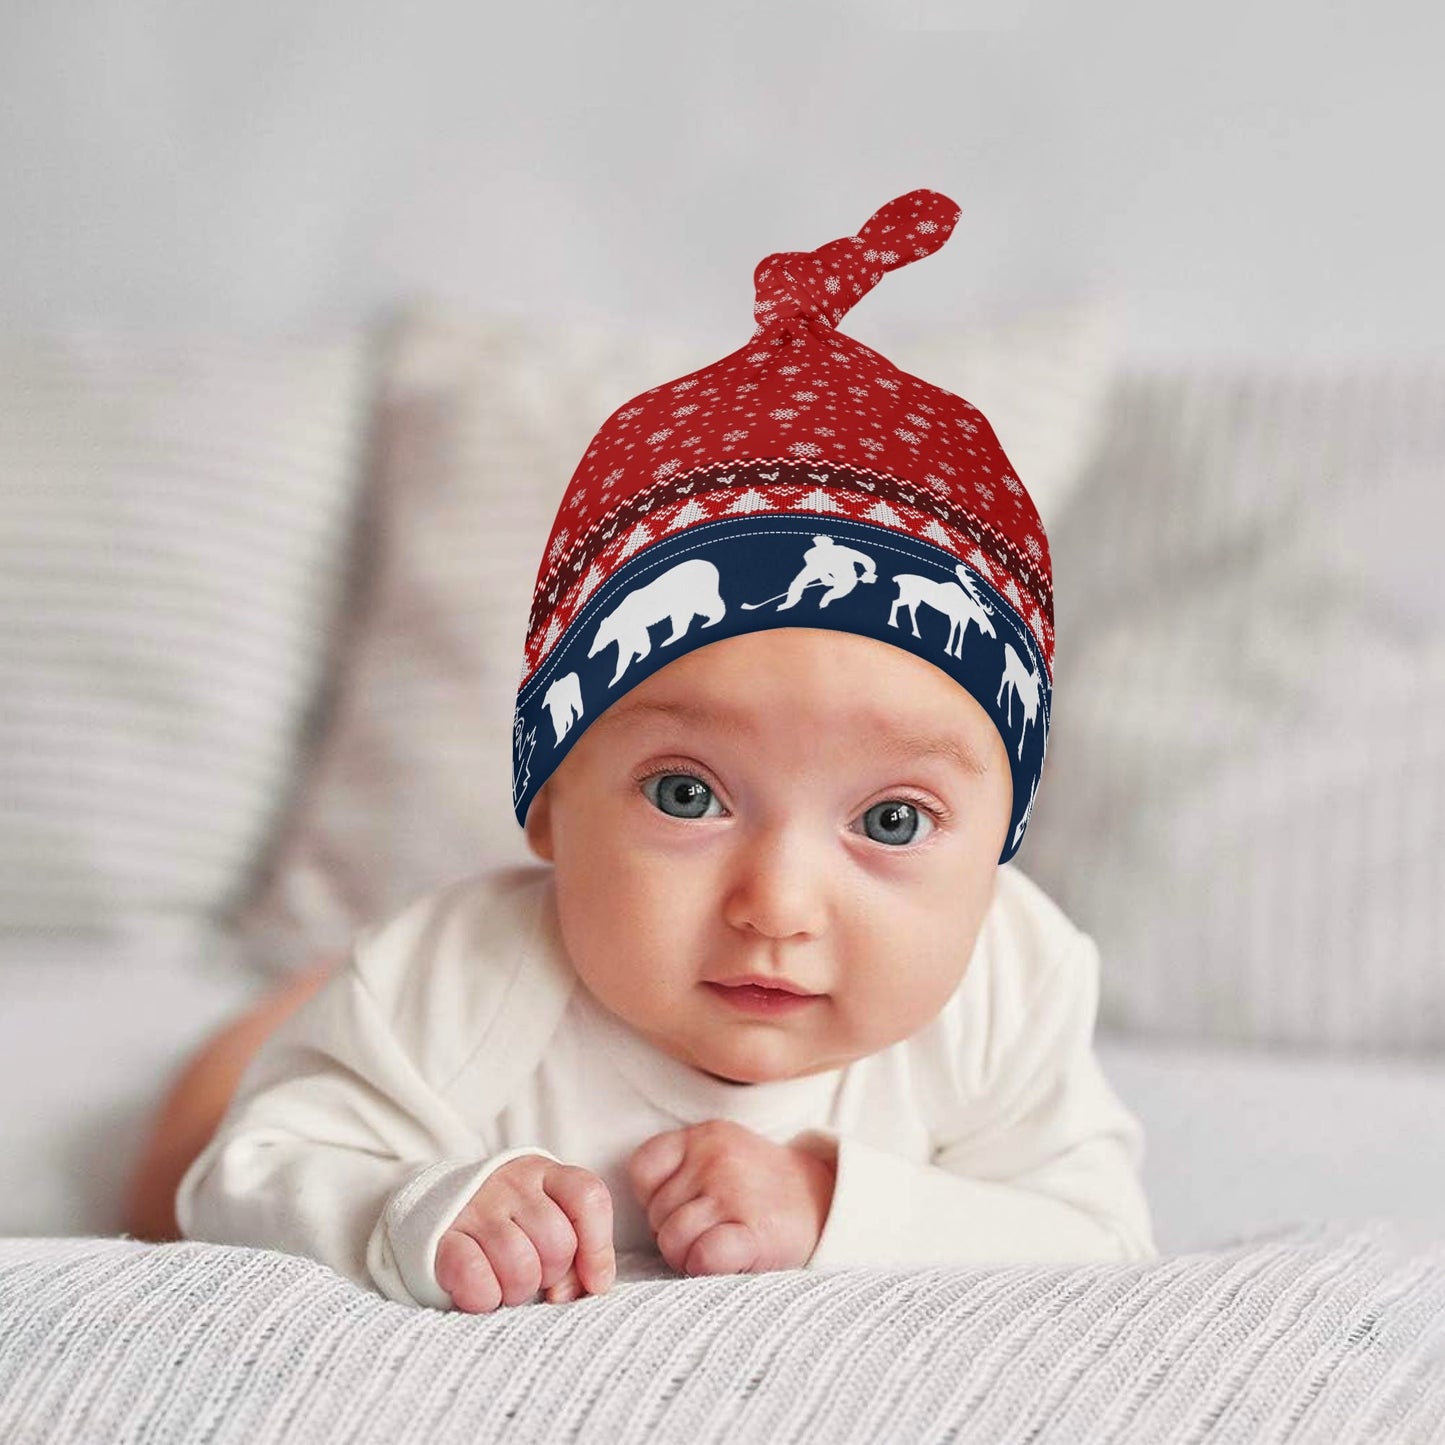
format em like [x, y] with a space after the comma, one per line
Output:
[825, 562]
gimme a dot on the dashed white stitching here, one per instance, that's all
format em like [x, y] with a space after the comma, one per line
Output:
[806, 524]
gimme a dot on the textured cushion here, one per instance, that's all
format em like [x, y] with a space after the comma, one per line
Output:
[175, 518]
[1315, 1335]
[482, 423]
[1244, 796]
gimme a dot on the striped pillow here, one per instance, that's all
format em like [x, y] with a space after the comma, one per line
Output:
[175, 525]
[482, 424]
[1244, 798]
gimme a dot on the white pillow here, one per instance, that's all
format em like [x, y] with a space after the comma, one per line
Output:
[1244, 796]
[483, 422]
[174, 533]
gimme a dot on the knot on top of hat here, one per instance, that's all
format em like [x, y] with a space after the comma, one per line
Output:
[825, 284]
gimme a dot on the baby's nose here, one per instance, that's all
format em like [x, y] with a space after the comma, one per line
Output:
[779, 887]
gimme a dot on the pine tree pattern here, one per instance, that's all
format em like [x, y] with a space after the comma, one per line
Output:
[744, 490]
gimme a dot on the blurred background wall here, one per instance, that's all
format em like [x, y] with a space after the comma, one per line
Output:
[1240, 179]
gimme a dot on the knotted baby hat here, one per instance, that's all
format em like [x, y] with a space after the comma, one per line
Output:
[762, 490]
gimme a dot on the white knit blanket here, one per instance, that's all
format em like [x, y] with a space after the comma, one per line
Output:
[1320, 1333]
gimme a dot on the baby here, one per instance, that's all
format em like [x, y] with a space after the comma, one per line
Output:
[773, 996]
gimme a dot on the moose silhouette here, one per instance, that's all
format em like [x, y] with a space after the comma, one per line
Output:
[1024, 681]
[960, 604]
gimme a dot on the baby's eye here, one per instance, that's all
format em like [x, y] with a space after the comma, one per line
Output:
[895, 821]
[685, 795]
[685, 792]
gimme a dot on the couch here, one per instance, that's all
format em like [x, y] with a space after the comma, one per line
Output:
[262, 605]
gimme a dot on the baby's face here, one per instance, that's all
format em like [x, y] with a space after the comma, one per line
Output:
[759, 832]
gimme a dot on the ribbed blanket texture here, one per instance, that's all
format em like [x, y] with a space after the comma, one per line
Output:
[1318, 1333]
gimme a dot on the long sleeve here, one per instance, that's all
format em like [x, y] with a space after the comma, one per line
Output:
[337, 1148]
[1041, 1166]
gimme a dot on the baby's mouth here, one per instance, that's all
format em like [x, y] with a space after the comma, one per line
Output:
[764, 981]
[759, 998]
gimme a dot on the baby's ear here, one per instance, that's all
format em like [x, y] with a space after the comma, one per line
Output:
[539, 823]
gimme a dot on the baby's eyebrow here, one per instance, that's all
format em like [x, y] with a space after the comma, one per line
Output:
[678, 711]
[894, 746]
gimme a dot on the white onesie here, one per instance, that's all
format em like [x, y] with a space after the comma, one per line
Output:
[458, 1036]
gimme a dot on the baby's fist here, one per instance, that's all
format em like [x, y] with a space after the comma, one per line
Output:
[532, 1224]
[723, 1200]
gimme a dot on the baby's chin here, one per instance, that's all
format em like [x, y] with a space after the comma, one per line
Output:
[723, 1078]
[765, 1075]
[741, 1076]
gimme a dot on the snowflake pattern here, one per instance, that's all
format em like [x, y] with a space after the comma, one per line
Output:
[802, 403]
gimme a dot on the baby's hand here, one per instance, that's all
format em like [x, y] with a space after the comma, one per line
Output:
[533, 1224]
[723, 1200]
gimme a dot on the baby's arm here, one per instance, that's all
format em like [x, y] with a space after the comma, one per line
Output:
[1042, 1167]
[338, 1149]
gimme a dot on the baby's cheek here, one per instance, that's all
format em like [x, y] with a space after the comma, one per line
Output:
[896, 1006]
[861, 1019]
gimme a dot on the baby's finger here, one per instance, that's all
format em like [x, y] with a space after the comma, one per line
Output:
[684, 1227]
[545, 1223]
[588, 1204]
[514, 1258]
[654, 1161]
[465, 1272]
[724, 1248]
[569, 1287]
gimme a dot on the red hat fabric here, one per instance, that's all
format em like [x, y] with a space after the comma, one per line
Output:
[719, 502]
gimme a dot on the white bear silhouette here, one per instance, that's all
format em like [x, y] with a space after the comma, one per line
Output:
[960, 604]
[689, 589]
[1024, 681]
[564, 700]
